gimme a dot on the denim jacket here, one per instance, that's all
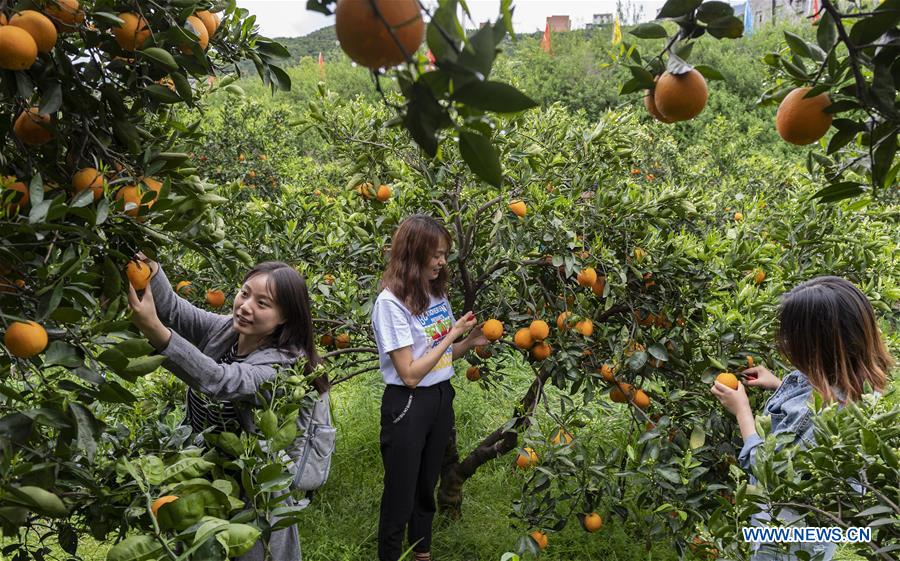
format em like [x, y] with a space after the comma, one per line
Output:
[789, 409]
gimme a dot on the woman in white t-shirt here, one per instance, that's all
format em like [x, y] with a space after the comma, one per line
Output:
[415, 332]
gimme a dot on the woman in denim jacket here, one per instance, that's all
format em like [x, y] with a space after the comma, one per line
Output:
[827, 331]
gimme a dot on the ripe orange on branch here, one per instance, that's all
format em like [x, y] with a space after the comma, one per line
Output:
[528, 459]
[30, 125]
[383, 194]
[562, 436]
[541, 351]
[215, 298]
[539, 330]
[200, 31]
[728, 379]
[585, 327]
[131, 199]
[18, 49]
[183, 287]
[563, 322]
[802, 120]
[342, 341]
[385, 38]
[17, 202]
[592, 522]
[518, 208]
[66, 14]
[473, 374]
[138, 274]
[680, 97]
[540, 538]
[621, 393]
[523, 339]
[38, 26]
[211, 22]
[587, 277]
[25, 340]
[492, 329]
[133, 32]
[88, 178]
[650, 105]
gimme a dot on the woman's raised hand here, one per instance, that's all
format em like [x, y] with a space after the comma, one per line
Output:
[154, 266]
[761, 377]
[463, 324]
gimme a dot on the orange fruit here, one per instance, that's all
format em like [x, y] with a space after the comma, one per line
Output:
[633, 347]
[138, 274]
[18, 49]
[621, 393]
[482, 351]
[759, 276]
[132, 34]
[585, 327]
[528, 459]
[131, 199]
[342, 341]
[592, 522]
[153, 185]
[3, 20]
[158, 503]
[492, 329]
[518, 208]
[749, 361]
[650, 104]
[563, 322]
[326, 340]
[599, 287]
[560, 436]
[738, 216]
[215, 298]
[210, 22]
[540, 538]
[184, 287]
[17, 201]
[25, 340]
[473, 374]
[29, 126]
[539, 330]
[607, 373]
[523, 339]
[541, 351]
[66, 14]
[728, 379]
[38, 26]
[587, 277]
[803, 121]
[200, 31]
[641, 399]
[89, 178]
[367, 38]
[679, 97]
[383, 193]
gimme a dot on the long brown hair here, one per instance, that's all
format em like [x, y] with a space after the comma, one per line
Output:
[412, 247]
[827, 330]
[289, 292]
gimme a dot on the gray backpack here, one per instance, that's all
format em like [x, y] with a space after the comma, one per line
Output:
[311, 453]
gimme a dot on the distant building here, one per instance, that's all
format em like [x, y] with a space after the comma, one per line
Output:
[559, 23]
[762, 12]
[599, 20]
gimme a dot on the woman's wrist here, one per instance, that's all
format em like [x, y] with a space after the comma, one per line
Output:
[746, 422]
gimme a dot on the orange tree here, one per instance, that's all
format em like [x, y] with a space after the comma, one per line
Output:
[96, 165]
[687, 262]
[845, 79]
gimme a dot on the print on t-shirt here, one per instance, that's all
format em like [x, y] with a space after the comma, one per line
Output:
[436, 323]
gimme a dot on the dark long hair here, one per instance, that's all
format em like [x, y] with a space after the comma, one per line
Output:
[827, 330]
[289, 292]
[412, 247]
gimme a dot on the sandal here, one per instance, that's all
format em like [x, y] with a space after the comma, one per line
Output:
[423, 556]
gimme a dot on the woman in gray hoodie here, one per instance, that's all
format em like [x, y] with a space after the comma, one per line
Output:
[225, 358]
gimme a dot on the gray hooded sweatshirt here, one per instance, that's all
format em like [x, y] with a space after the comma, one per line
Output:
[199, 339]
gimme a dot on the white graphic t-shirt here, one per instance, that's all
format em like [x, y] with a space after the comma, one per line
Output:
[396, 327]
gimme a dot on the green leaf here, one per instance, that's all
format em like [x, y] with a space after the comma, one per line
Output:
[709, 72]
[238, 539]
[494, 96]
[797, 45]
[481, 157]
[868, 29]
[61, 353]
[713, 10]
[134, 548]
[883, 158]
[649, 30]
[445, 19]
[272, 49]
[160, 57]
[134, 348]
[187, 468]
[282, 80]
[144, 365]
[826, 32]
[839, 191]
[284, 437]
[678, 8]
[267, 422]
[88, 429]
[729, 27]
[37, 500]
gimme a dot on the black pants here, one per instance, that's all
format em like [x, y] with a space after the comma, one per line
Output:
[415, 429]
